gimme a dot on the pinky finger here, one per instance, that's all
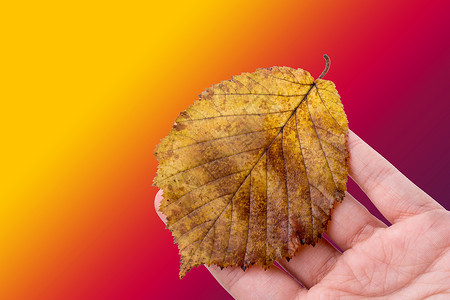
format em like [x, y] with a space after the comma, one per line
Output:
[257, 283]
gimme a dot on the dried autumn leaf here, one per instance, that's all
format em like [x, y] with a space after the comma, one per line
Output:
[252, 170]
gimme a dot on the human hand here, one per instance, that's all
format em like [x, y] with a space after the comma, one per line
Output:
[408, 260]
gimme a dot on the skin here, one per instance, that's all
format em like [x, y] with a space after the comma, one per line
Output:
[408, 260]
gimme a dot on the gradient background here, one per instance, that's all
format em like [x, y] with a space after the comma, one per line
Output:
[89, 88]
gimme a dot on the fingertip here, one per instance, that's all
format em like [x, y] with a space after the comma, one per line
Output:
[158, 199]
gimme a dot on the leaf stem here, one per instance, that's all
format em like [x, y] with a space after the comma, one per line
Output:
[327, 66]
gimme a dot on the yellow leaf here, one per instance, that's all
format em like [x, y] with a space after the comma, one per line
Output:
[252, 170]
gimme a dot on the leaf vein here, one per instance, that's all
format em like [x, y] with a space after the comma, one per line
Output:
[248, 224]
[215, 139]
[332, 145]
[332, 199]
[236, 115]
[195, 209]
[208, 162]
[198, 225]
[209, 182]
[259, 94]
[320, 143]
[329, 112]
[287, 193]
[306, 175]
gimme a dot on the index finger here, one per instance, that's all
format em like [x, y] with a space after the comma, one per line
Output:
[395, 196]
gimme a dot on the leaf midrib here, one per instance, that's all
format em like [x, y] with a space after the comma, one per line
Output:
[247, 176]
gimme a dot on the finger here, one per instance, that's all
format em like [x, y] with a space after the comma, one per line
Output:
[311, 264]
[158, 199]
[255, 282]
[352, 223]
[395, 196]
